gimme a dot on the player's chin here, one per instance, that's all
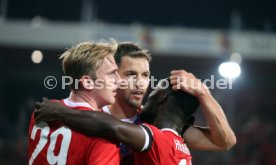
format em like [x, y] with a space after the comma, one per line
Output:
[136, 103]
[111, 100]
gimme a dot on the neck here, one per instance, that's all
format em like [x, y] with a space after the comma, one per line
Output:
[121, 110]
[167, 120]
[80, 96]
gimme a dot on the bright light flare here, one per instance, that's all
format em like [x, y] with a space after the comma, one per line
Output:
[229, 70]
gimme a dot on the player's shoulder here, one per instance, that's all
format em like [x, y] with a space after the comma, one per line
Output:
[76, 105]
[156, 133]
[151, 127]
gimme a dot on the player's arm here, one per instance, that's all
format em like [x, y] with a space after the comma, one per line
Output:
[92, 123]
[218, 135]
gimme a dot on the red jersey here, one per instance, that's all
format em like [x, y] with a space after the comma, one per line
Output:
[168, 148]
[55, 143]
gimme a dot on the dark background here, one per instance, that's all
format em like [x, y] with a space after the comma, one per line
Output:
[250, 105]
[255, 14]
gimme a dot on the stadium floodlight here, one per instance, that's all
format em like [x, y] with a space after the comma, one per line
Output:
[37, 56]
[229, 70]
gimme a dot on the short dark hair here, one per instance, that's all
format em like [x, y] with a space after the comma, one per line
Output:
[167, 99]
[132, 50]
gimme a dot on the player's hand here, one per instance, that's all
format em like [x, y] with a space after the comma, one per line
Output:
[185, 81]
[46, 110]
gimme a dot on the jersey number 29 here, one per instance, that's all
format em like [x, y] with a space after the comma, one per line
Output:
[59, 159]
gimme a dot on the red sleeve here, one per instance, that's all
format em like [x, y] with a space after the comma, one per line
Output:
[158, 143]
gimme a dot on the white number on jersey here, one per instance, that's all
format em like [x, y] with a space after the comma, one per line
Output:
[59, 159]
[183, 162]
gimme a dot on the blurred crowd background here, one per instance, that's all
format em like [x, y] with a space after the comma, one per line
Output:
[193, 35]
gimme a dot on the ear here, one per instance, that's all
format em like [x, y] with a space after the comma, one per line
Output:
[87, 82]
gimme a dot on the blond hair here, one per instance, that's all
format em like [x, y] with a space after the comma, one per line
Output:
[85, 58]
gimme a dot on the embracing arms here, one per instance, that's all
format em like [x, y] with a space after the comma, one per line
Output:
[94, 123]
